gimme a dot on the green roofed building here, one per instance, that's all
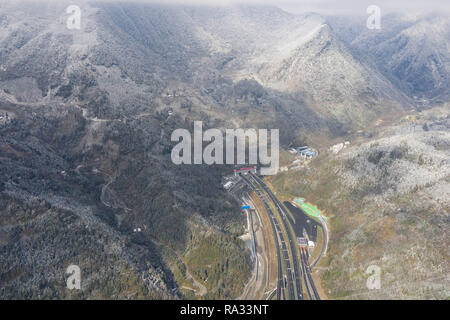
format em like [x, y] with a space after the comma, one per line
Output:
[310, 209]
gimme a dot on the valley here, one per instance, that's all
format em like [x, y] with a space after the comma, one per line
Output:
[87, 178]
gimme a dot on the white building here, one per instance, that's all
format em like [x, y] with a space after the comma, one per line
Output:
[228, 184]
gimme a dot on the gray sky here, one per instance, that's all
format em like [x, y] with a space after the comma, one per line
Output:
[353, 7]
[327, 7]
[358, 7]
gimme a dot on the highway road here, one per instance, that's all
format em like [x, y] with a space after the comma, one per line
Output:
[309, 283]
[291, 278]
[296, 272]
[294, 269]
[279, 238]
[302, 223]
[325, 241]
[300, 258]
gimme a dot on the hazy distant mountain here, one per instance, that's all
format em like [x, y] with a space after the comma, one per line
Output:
[411, 50]
[296, 59]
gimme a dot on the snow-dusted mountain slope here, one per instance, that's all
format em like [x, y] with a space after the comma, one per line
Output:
[413, 51]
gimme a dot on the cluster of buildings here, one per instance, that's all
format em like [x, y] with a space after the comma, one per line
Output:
[304, 242]
[304, 152]
[228, 185]
[244, 171]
